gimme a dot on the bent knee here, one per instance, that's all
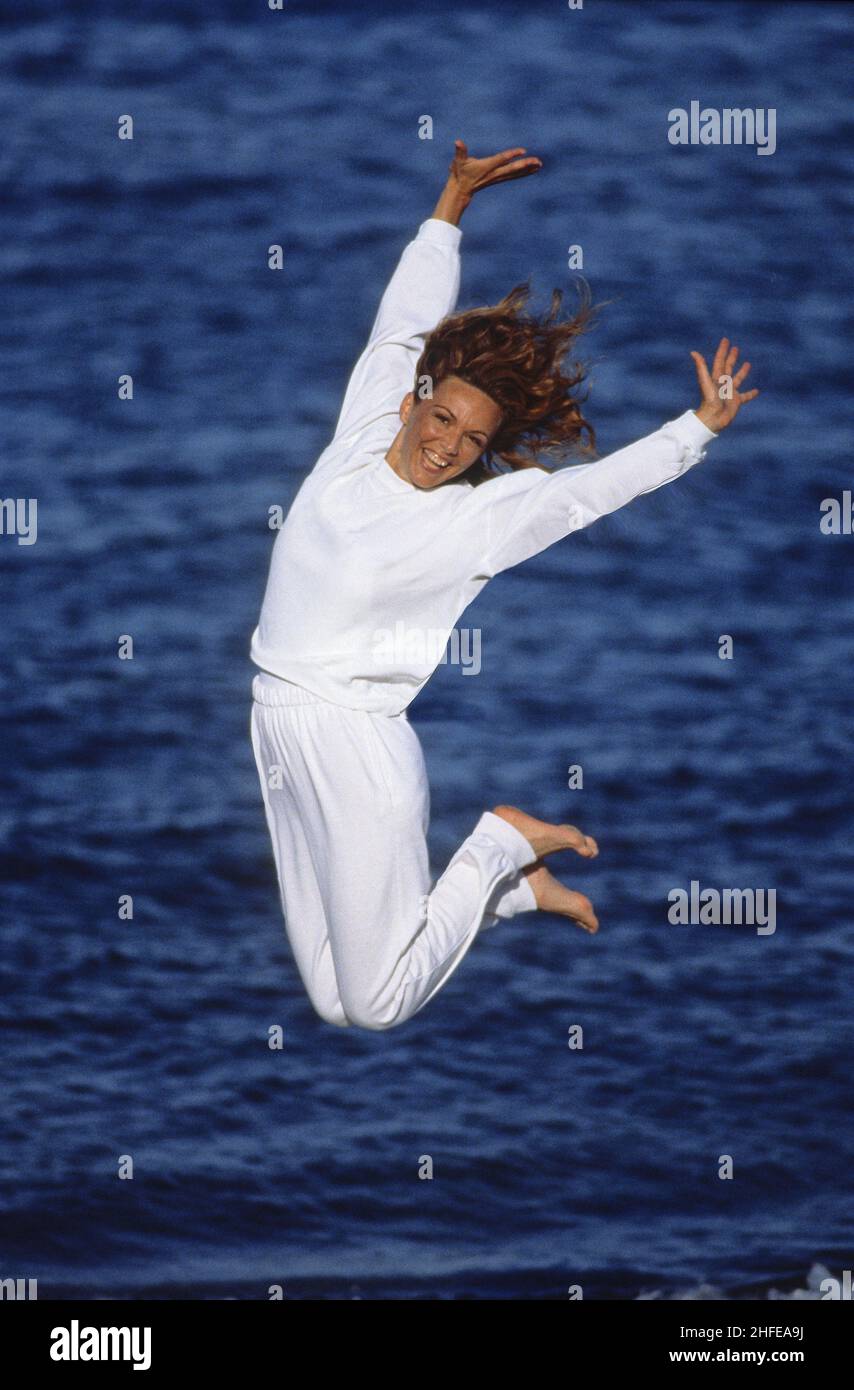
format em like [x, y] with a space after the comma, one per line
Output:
[376, 1017]
[330, 1012]
[363, 1018]
[338, 1020]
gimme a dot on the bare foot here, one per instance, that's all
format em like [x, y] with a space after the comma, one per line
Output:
[553, 896]
[545, 838]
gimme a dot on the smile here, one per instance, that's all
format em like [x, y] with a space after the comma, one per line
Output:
[434, 459]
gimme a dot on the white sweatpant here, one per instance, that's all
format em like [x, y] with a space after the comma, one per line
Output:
[348, 806]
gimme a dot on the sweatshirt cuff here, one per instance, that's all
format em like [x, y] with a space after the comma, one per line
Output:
[691, 429]
[439, 232]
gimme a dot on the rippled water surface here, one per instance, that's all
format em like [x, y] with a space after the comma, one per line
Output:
[149, 1038]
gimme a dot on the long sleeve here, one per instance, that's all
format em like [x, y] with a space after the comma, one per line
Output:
[422, 290]
[522, 513]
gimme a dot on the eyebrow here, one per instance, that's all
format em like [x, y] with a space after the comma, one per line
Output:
[437, 405]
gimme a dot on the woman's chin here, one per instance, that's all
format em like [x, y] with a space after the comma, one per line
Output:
[421, 476]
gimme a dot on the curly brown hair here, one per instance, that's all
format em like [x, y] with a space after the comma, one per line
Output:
[517, 359]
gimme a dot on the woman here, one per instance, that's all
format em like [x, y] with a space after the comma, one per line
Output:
[397, 528]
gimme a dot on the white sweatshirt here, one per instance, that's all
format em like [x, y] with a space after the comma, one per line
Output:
[370, 574]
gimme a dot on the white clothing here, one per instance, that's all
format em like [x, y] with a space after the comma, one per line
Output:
[348, 806]
[364, 556]
[362, 553]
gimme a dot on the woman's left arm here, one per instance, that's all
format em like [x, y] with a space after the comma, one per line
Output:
[523, 513]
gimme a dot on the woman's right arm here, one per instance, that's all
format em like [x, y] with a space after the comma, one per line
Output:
[467, 176]
[422, 291]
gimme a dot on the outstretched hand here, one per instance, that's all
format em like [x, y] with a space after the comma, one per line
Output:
[471, 175]
[467, 176]
[718, 411]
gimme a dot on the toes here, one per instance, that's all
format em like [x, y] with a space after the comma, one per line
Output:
[583, 913]
[584, 845]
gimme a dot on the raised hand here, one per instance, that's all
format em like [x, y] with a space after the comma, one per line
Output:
[468, 176]
[714, 411]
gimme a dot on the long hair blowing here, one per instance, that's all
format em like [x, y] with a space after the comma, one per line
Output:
[519, 361]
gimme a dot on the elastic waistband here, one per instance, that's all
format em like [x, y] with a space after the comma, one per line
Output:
[268, 689]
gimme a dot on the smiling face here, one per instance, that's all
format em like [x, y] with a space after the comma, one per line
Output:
[443, 435]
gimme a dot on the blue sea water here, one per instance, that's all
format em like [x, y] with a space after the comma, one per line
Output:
[149, 1038]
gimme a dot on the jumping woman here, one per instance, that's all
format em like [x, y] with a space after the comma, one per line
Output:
[429, 488]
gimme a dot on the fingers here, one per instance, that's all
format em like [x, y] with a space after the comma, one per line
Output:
[496, 161]
[724, 362]
[730, 357]
[720, 358]
[518, 170]
[493, 161]
[706, 384]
